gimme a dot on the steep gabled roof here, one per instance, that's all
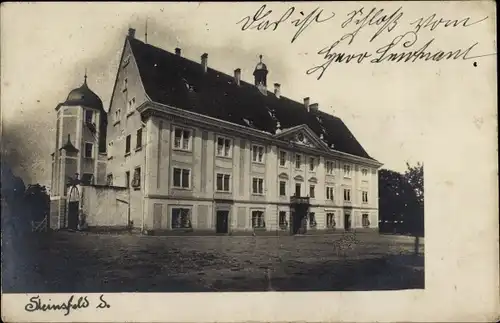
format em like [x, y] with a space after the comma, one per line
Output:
[179, 82]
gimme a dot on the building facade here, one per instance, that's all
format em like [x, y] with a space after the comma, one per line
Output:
[200, 150]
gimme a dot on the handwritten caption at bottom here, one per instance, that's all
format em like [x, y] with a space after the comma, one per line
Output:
[36, 303]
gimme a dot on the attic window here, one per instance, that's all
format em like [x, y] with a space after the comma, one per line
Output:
[319, 119]
[272, 114]
[126, 61]
[248, 122]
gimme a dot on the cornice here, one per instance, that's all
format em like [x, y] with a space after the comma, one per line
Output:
[151, 108]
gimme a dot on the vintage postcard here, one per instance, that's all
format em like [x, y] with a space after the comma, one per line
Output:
[234, 162]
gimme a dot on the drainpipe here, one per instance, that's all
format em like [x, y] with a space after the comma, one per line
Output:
[143, 172]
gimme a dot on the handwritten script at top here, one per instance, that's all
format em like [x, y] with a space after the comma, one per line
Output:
[404, 46]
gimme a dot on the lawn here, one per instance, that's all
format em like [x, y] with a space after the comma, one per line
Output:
[89, 262]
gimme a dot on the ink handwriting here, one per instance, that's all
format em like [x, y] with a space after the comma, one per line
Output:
[262, 21]
[72, 304]
[412, 40]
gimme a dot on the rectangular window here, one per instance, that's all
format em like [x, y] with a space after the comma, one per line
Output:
[182, 178]
[87, 178]
[257, 185]
[125, 84]
[347, 195]
[89, 116]
[330, 193]
[223, 181]
[282, 158]
[329, 167]
[131, 105]
[109, 180]
[311, 191]
[136, 180]
[365, 221]
[364, 196]
[224, 147]
[364, 172]
[127, 179]
[330, 220]
[89, 150]
[118, 115]
[181, 218]
[297, 189]
[298, 161]
[258, 220]
[182, 139]
[110, 149]
[139, 139]
[347, 170]
[312, 165]
[282, 188]
[257, 154]
[312, 220]
[127, 145]
[283, 223]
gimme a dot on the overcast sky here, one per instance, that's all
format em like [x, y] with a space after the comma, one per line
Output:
[391, 108]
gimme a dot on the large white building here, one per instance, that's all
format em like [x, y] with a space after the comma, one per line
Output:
[200, 150]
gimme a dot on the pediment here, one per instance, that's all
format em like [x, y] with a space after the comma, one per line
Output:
[302, 136]
[283, 176]
[313, 180]
[299, 178]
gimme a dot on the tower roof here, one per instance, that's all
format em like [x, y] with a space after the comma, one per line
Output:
[84, 96]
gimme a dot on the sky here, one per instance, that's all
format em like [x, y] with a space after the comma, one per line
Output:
[391, 108]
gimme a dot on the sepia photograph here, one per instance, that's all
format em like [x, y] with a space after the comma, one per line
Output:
[186, 148]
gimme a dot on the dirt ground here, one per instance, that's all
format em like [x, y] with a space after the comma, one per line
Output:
[87, 262]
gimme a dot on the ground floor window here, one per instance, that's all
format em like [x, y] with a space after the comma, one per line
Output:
[365, 221]
[109, 179]
[312, 220]
[330, 220]
[181, 218]
[258, 220]
[282, 220]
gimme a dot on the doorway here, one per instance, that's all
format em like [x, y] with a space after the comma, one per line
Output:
[347, 221]
[222, 222]
[73, 215]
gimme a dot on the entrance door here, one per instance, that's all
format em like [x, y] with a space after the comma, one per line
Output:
[299, 220]
[73, 215]
[222, 221]
[347, 221]
[296, 222]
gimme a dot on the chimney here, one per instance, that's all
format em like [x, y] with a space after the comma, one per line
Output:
[313, 107]
[237, 76]
[131, 32]
[306, 103]
[178, 51]
[277, 90]
[204, 62]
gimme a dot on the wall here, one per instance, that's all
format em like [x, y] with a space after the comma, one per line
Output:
[105, 206]
[204, 164]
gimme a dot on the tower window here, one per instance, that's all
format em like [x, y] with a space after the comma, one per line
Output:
[89, 148]
[89, 116]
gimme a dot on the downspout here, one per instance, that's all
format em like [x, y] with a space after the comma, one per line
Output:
[143, 125]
